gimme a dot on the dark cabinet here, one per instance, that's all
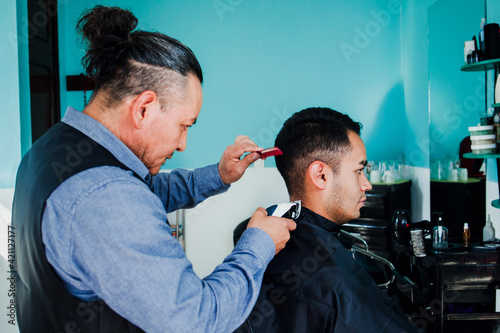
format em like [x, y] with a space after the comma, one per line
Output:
[460, 202]
[462, 284]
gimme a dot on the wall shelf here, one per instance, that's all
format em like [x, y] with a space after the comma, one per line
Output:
[480, 156]
[481, 66]
[477, 67]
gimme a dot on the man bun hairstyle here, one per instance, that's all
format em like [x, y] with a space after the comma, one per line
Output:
[124, 61]
[313, 134]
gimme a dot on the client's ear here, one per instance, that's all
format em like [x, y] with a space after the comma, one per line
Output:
[317, 173]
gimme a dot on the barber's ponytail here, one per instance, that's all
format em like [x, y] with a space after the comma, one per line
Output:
[123, 61]
[107, 21]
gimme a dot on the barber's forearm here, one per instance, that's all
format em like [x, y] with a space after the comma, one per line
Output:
[184, 303]
[237, 281]
[185, 188]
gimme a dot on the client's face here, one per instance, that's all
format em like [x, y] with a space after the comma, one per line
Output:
[348, 187]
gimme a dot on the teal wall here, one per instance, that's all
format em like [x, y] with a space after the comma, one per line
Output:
[24, 81]
[10, 137]
[414, 69]
[264, 60]
[456, 98]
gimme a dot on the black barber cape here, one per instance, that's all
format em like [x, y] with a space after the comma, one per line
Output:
[315, 285]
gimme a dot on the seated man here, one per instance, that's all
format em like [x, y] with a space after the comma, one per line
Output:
[314, 284]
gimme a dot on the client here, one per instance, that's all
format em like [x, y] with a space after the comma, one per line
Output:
[314, 284]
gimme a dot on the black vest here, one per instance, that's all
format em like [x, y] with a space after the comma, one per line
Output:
[43, 304]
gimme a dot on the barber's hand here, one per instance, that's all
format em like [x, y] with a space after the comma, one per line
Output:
[277, 227]
[231, 168]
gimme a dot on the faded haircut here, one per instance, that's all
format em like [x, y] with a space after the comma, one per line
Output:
[313, 134]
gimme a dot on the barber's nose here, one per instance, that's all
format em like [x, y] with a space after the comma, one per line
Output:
[182, 143]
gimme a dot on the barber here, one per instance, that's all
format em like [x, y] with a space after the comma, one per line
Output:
[94, 252]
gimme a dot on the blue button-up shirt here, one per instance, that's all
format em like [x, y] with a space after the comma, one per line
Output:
[105, 234]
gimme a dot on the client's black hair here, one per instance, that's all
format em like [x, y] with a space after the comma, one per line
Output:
[310, 135]
[125, 62]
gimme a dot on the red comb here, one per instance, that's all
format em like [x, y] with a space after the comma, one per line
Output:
[274, 151]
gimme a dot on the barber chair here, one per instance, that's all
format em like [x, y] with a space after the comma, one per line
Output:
[355, 249]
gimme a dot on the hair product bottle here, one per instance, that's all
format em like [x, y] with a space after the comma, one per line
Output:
[488, 231]
[481, 35]
[466, 235]
[440, 234]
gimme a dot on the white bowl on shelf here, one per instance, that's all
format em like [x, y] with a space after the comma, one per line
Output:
[481, 130]
[484, 149]
[478, 140]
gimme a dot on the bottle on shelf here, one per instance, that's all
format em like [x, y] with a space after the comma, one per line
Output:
[497, 89]
[496, 128]
[440, 234]
[481, 35]
[489, 231]
[466, 234]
